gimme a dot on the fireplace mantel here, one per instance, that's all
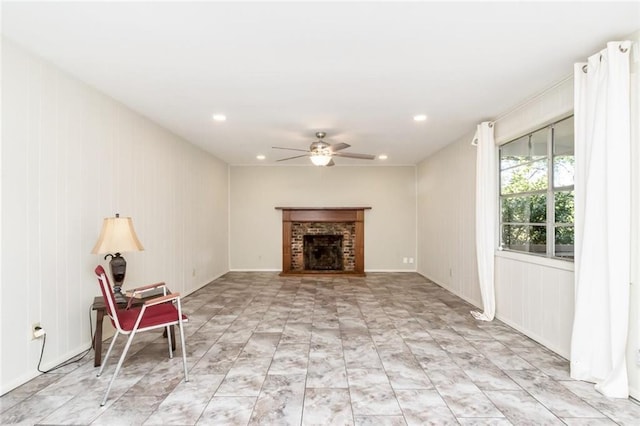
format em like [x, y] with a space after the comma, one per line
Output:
[353, 215]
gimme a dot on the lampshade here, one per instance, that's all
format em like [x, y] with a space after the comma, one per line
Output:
[117, 236]
[320, 159]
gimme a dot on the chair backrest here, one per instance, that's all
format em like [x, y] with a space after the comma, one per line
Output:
[107, 294]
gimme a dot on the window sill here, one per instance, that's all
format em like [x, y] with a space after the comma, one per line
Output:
[536, 260]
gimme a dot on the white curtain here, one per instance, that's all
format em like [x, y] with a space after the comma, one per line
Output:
[486, 213]
[602, 220]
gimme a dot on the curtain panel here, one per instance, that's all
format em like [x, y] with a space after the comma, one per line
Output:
[602, 220]
[486, 213]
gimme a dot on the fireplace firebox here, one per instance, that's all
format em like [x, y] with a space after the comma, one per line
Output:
[323, 252]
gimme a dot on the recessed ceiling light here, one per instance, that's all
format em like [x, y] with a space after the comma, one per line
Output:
[382, 157]
[219, 117]
[260, 157]
[419, 117]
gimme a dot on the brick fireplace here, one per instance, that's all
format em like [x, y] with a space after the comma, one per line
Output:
[323, 240]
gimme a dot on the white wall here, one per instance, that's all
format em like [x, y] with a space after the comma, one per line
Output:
[535, 297]
[446, 219]
[70, 157]
[256, 227]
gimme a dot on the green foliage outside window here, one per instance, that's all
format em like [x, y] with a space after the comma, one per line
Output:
[526, 198]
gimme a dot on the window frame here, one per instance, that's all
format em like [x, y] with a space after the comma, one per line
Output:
[550, 224]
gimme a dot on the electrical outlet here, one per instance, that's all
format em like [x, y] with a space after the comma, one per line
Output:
[405, 260]
[411, 260]
[193, 273]
[36, 331]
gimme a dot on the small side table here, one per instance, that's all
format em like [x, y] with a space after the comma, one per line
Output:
[101, 311]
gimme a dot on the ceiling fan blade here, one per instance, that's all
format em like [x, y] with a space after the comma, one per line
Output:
[330, 163]
[291, 158]
[354, 155]
[338, 146]
[290, 149]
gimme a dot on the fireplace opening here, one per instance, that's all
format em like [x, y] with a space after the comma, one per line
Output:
[323, 252]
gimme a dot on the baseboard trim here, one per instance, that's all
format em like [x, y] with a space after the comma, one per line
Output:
[256, 270]
[634, 393]
[450, 290]
[527, 333]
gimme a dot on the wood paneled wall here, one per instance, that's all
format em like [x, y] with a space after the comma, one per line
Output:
[70, 157]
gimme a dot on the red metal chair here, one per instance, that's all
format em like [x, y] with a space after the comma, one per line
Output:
[162, 311]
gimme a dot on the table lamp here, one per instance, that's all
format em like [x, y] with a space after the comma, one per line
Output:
[117, 235]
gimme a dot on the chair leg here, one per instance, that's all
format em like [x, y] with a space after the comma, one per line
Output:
[106, 358]
[184, 352]
[115, 373]
[170, 342]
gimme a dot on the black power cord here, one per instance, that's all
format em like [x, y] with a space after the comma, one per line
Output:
[72, 359]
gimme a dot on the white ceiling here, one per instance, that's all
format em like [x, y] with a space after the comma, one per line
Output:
[282, 71]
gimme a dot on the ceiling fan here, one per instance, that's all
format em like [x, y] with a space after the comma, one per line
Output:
[321, 152]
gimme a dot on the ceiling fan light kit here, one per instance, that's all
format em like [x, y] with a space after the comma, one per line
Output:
[320, 159]
[321, 153]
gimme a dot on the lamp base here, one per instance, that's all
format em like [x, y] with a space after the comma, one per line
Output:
[118, 269]
[118, 296]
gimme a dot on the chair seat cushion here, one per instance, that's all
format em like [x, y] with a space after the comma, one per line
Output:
[153, 316]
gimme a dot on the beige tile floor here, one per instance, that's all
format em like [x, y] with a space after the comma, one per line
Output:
[388, 349]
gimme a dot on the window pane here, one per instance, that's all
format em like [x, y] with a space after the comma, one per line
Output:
[564, 241]
[525, 209]
[514, 153]
[565, 208]
[524, 150]
[563, 156]
[563, 137]
[538, 143]
[528, 238]
[563, 171]
[525, 178]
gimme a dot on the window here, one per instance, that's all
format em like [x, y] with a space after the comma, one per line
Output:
[536, 192]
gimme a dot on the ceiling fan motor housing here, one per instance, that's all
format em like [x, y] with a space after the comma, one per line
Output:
[319, 147]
